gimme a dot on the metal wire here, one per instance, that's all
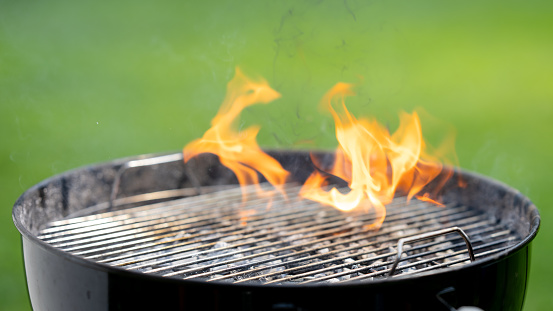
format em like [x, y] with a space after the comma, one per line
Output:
[271, 238]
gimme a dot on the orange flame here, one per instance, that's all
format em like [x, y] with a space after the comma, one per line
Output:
[238, 150]
[245, 216]
[374, 163]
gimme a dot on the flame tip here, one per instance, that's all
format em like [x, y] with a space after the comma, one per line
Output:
[238, 150]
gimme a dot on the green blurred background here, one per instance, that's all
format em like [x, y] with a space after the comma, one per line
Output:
[90, 81]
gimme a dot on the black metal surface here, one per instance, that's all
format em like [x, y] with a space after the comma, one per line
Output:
[59, 281]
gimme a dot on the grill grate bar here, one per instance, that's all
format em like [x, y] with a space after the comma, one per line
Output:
[458, 261]
[104, 237]
[385, 270]
[116, 243]
[237, 274]
[274, 251]
[151, 228]
[453, 254]
[325, 238]
[335, 219]
[193, 238]
[416, 210]
[343, 257]
[308, 206]
[314, 231]
[203, 204]
[218, 236]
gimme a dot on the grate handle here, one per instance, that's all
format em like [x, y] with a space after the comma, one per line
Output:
[139, 163]
[428, 235]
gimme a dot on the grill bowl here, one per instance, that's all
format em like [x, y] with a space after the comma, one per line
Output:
[59, 280]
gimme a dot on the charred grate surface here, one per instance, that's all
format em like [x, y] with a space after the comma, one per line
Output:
[274, 240]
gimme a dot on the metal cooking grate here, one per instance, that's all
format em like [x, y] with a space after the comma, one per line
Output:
[271, 239]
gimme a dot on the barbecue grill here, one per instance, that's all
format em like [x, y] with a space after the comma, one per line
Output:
[153, 232]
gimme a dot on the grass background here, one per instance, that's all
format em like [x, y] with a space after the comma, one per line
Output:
[90, 81]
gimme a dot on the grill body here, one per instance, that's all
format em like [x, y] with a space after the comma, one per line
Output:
[60, 281]
[56, 282]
